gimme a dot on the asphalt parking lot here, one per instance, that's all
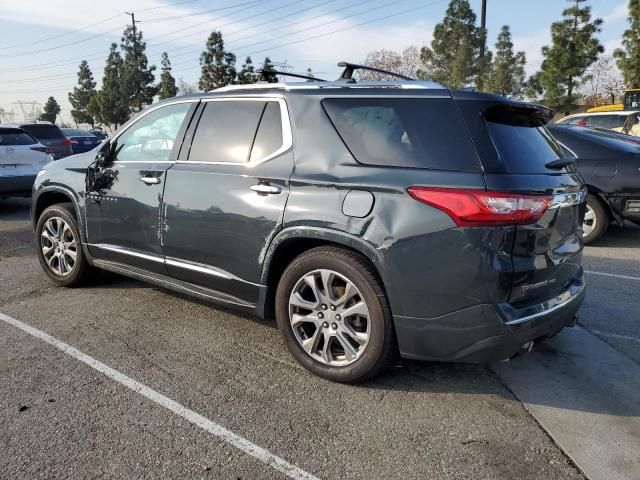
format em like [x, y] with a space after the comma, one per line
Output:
[61, 418]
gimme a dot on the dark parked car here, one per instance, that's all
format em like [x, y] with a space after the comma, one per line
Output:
[49, 135]
[610, 166]
[81, 140]
[366, 217]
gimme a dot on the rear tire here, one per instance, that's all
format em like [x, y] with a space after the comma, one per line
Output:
[343, 332]
[596, 220]
[59, 246]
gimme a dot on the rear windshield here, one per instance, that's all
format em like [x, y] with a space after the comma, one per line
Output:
[45, 132]
[404, 132]
[15, 136]
[521, 140]
[76, 132]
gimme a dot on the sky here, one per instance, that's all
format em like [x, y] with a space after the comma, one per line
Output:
[43, 41]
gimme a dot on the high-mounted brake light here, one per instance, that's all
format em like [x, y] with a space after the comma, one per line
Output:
[474, 208]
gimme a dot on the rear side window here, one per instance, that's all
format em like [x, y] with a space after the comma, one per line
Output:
[617, 121]
[226, 131]
[269, 136]
[14, 136]
[45, 132]
[404, 132]
[603, 121]
[521, 140]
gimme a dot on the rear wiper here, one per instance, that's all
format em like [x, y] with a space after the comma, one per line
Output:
[560, 163]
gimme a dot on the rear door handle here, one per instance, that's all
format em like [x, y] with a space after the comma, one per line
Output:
[265, 189]
[150, 180]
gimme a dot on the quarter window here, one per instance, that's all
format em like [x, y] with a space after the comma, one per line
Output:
[226, 131]
[600, 121]
[269, 136]
[153, 137]
[404, 132]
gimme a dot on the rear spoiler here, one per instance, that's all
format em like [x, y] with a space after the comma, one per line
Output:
[519, 114]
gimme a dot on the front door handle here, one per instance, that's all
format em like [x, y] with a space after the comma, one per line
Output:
[150, 180]
[265, 189]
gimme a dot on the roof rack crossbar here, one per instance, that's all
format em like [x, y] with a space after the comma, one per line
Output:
[270, 76]
[349, 68]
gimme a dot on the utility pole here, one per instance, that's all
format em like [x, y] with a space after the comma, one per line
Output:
[483, 27]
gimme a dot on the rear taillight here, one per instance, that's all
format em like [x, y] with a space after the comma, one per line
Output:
[475, 208]
[41, 149]
[67, 141]
[581, 123]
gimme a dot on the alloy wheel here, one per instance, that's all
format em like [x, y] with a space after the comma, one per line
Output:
[590, 221]
[329, 317]
[59, 246]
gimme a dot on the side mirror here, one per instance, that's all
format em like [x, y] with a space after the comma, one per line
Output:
[104, 156]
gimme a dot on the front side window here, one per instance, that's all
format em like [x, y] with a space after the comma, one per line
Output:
[226, 131]
[403, 132]
[153, 137]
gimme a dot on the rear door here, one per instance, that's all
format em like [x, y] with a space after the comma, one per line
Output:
[516, 148]
[225, 197]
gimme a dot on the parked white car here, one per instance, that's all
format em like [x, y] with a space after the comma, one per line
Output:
[21, 158]
[610, 120]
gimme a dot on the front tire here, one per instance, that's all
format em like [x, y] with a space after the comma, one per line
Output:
[596, 220]
[59, 246]
[334, 315]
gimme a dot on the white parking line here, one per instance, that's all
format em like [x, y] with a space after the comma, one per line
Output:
[237, 441]
[614, 335]
[625, 277]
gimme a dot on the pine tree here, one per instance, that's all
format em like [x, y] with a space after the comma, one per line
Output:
[138, 77]
[629, 57]
[112, 103]
[507, 68]
[247, 74]
[267, 65]
[218, 67]
[574, 48]
[455, 50]
[167, 87]
[82, 95]
[50, 111]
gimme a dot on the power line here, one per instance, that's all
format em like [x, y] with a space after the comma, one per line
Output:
[100, 55]
[59, 35]
[31, 52]
[203, 12]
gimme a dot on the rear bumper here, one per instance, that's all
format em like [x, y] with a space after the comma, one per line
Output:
[16, 186]
[486, 333]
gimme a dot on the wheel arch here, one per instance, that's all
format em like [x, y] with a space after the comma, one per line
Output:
[50, 196]
[291, 242]
[599, 194]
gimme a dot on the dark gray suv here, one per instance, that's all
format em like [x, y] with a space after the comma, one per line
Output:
[366, 218]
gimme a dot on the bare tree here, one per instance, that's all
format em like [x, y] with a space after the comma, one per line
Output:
[185, 88]
[603, 82]
[405, 63]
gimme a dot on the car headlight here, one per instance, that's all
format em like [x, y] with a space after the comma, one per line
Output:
[41, 172]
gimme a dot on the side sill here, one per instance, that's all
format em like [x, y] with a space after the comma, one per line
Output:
[174, 284]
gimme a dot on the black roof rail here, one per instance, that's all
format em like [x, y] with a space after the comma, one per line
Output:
[270, 76]
[349, 68]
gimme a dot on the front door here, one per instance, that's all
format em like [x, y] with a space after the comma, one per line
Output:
[123, 212]
[225, 197]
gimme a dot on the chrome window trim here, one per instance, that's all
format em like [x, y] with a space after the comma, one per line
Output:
[287, 135]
